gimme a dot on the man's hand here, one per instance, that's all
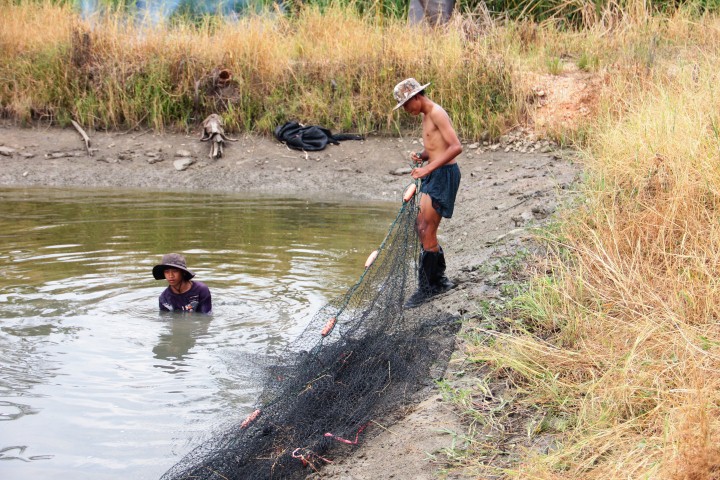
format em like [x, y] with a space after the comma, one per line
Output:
[416, 158]
[419, 172]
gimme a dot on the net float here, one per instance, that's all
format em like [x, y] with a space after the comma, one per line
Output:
[250, 418]
[409, 192]
[328, 326]
[371, 259]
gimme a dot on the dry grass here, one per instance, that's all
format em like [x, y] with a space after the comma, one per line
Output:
[333, 67]
[624, 336]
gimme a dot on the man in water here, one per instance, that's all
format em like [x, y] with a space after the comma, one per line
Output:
[441, 179]
[182, 294]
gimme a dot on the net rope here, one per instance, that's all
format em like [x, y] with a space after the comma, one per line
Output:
[362, 357]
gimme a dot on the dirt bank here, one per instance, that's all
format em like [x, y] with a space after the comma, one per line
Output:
[503, 192]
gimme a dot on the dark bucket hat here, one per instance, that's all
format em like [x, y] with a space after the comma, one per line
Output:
[171, 260]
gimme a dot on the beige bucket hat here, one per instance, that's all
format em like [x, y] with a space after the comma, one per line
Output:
[407, 89]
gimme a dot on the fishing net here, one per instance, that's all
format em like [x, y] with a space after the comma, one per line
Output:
[361, 359]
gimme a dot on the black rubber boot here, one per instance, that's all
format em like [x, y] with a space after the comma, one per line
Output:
[431, 278]
[424, 291]
[441, 283]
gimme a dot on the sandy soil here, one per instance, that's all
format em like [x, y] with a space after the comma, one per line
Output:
[503, 192]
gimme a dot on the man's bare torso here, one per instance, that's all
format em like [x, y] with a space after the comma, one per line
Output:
[433, 140]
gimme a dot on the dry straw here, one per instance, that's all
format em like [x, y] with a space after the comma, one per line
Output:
[331, 66]
[624, 337]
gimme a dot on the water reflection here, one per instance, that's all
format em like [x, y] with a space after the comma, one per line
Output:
[95, 382]
[182, 333]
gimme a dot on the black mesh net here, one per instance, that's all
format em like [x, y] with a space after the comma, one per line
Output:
[361, 359]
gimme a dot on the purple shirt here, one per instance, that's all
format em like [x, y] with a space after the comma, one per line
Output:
[197, 299]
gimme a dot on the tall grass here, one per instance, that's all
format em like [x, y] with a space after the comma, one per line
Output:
[328, 65]
[622, 340]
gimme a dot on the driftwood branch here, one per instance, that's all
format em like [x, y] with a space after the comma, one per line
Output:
[84, 135]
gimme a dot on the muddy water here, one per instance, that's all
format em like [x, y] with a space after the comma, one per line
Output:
[95, 383]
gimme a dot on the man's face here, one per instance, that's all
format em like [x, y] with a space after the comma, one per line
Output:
[412, 106]
[174, 276]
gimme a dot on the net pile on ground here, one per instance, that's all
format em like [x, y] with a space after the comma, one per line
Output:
[361, 358]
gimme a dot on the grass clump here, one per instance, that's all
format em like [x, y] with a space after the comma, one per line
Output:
[622, 338]
[327, 65]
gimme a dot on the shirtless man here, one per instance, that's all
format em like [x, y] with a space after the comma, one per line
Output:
[441, 179]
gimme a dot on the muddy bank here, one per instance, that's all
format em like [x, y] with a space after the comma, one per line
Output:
[502, 194]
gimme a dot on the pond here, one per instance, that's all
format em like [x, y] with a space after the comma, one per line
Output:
[96, 383]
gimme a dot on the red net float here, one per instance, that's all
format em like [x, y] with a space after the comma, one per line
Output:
[250, 418]
[328, 326]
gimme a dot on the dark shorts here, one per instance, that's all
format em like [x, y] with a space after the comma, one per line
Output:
[442, 186]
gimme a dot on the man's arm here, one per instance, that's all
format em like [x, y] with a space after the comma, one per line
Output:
[205, 301]
[162, 301]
